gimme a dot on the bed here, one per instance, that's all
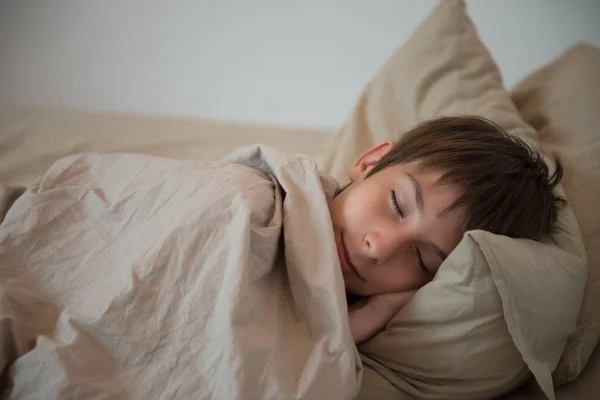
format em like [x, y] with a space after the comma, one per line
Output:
[560, 97]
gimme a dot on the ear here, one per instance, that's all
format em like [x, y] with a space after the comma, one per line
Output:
[367, 161]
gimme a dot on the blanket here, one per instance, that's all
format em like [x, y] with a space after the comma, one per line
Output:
[125, 276]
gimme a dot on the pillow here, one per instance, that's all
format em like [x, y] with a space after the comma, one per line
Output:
[562, 101]
[442, 69]
[499, 309]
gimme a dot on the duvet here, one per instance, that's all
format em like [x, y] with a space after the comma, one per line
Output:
[125, 276]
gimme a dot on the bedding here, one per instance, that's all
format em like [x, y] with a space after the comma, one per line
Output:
[32, 139]
[128, 276]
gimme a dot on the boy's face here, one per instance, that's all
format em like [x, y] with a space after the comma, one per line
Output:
[391, 232]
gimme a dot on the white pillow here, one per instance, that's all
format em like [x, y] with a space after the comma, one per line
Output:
[499, 308]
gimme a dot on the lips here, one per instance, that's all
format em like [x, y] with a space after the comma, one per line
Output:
[347, 266]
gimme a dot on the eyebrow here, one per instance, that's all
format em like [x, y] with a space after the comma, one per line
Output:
[421, 206]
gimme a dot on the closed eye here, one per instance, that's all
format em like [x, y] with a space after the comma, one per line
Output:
[395, 203]
[422, 266]
[421, 262]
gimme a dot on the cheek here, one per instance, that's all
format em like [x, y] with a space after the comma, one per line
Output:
[363, 205]
[353, 210]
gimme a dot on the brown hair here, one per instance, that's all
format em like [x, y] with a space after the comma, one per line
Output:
[506, 185]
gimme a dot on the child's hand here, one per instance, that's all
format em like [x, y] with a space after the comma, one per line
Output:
[371, 315]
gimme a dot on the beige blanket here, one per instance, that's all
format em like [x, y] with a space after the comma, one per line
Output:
[132, 277]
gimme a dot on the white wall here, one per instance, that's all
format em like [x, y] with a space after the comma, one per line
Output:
[266, 61]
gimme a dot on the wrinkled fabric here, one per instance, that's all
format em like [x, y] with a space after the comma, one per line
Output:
[134, 277]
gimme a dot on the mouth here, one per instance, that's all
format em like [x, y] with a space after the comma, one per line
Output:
[347, 266]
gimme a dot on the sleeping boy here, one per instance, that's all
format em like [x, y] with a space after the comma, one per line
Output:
[409, 204]
[129, 261]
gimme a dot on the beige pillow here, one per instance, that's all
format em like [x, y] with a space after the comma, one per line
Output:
[442, 69]
[562, 101]
[498, 308]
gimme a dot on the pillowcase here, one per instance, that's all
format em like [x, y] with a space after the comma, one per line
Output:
[499, 309]
[562, 101]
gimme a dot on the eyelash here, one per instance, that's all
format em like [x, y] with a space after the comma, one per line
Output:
[399, 210]
[421, 263]
[395, 202]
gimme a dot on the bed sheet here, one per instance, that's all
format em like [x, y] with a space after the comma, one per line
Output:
[31, 139]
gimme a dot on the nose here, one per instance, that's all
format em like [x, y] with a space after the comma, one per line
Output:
[381, 244]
